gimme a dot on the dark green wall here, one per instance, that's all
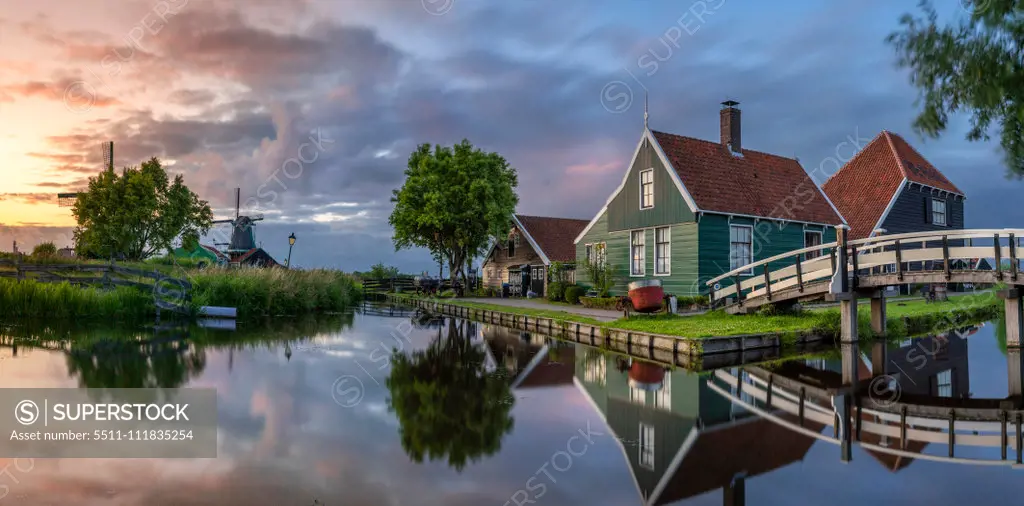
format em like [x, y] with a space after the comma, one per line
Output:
[768, 240]
[683, 278]
[669, 205]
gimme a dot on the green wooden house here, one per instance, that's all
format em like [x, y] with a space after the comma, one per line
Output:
[688, 210]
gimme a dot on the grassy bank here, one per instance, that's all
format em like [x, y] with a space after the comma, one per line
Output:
[903, 319]
[254, 292]
[30, 299]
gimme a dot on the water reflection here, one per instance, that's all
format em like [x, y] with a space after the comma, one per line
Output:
[476, 409]
[448, 403]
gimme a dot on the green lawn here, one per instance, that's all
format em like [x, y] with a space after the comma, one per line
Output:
[923, 318]
[543, 313]
[719, 323]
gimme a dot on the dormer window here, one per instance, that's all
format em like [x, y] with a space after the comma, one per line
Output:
[647, 189]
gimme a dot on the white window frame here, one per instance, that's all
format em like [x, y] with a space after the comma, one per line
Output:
[944, 213]
[651, 183]
[643, 253]
[668, 252]
[638, 396]
[750, 271]
[645, 446]
[589, 252]
[821, 240]
[601, 253]
[948, 385]
[663, 397]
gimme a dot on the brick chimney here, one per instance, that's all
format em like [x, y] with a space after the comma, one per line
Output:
[730, 128]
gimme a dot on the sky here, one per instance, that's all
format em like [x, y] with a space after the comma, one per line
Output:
[312, 107]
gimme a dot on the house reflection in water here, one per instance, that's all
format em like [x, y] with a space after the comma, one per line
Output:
[680, 438]
[529, 360]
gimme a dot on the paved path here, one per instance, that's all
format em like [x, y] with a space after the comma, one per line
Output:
[605, 315]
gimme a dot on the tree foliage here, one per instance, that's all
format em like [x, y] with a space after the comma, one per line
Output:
[975, 65]
[138, 213]
[453, 201]
[381, 271]
[44, 250]
[448, 405]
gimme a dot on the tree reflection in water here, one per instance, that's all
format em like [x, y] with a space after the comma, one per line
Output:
[447, 403]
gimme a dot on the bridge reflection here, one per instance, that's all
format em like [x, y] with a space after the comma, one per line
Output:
[687, 434]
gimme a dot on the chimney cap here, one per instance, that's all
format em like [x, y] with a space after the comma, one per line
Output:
[730, 103]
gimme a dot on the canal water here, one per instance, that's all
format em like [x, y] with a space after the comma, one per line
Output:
[383, 406]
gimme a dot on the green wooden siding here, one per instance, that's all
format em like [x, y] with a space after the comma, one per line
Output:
[670, 207]
[768, 240]
[683, 277]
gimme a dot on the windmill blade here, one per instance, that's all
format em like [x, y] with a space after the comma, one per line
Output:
[222, 221]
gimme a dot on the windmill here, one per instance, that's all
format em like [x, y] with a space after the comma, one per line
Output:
[68, 199]
[243, 239]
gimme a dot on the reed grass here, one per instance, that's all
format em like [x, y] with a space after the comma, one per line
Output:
[31, 299]
[274, 292]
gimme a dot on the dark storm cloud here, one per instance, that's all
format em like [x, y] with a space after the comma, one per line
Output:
[523, 79]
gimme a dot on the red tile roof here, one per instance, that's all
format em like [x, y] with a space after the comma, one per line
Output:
[862, 188]
[555, 236]
[756, 183]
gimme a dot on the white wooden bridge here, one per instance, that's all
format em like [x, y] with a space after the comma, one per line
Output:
[845, 270]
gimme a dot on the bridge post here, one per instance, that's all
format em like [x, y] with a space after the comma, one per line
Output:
[1015, 372]
[879, 358]
[878, 312]
[1014, 316]
[735, 493]
[840, 287]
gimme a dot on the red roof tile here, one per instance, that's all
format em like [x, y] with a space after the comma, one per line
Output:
[862, 188]
[756, 183]
[555, 236]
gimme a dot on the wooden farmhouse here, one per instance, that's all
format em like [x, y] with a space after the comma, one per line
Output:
[524, 259]
[889, 186]
[688, 210]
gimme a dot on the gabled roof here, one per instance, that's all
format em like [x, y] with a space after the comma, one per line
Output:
[551, 237]
[864, 189]
[751, 183]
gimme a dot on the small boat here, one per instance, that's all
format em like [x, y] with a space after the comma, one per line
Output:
[647, 296]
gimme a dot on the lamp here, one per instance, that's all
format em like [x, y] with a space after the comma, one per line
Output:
[291, 242]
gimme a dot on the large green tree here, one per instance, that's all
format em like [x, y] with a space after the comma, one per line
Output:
[138, 213]
[453, 201]
[974, 65]
[448, 404]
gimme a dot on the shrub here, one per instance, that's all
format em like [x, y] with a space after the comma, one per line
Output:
[556, 291]
[573, 294]
[602, 277]
[446, 294]
[599, 302]
[46, 249]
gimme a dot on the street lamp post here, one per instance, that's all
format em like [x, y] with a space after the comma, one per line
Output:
[291, 242]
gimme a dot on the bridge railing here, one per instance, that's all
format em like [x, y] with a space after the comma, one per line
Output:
[893, 253]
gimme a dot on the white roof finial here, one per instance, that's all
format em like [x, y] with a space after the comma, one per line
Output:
[645, 108]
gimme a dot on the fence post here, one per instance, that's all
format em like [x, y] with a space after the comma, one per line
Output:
[17, 266]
